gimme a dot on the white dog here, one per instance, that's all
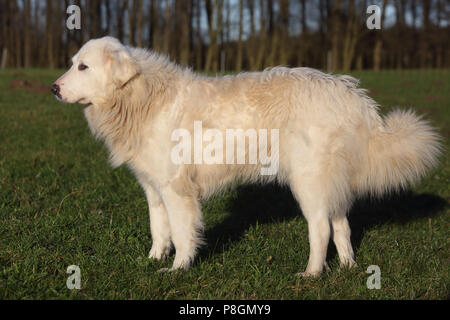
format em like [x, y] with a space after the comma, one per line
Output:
[333, 145]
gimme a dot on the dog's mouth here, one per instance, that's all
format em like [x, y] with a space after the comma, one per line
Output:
[83, 101]
[86, 102]
[58, 96]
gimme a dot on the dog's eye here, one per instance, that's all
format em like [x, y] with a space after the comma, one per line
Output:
[82, 67]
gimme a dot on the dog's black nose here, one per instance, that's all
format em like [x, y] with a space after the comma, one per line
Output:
[55, 89]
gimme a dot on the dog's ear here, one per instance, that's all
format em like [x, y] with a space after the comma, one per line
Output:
[122, 66]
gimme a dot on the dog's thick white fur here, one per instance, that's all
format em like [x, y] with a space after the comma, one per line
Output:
[333, 143]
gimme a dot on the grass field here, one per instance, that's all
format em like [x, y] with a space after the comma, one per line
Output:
[61, 204]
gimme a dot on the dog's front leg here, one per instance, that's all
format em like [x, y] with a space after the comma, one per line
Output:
[185, 219]
[159, 224]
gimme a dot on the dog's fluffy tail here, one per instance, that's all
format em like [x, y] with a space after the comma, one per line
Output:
[397, 154]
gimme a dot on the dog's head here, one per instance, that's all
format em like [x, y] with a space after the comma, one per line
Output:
[101, 66]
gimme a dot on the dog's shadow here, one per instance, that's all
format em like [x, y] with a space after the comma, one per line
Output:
[272, 203]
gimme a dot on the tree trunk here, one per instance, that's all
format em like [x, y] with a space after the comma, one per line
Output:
[17, 37]
[49, 34]
[261, 51]
[304, 34]
[184, 7]
[335, 35]
[6, 31]
[424, 39]
[378, 47]
[239, 46]
[95, 18]
[166, 38]
[140, 23]
[27, 31]
[199, 44]
[351, 36]
[274, 37]
[132, 12]
[284, 16]
[108, 28]
[213, 31]
[251, 42]
[121, 6]
[153, 24]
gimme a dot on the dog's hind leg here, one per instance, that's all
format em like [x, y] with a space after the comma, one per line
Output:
[185, 219]
[322, 189]
[341, 238]
[314, 208]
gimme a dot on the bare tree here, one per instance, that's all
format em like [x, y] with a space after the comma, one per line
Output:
[274, 36]
[239, 44]
[49, 34]
[140, 24]
[95, 18]
[335, 34]
[424, 41]
[184, 16]
[378, 47]
[304, 33]
[133, 11]
[166, 38]
[198, 34]
[233, 34]
[27, 32]
[213, 9]
[121, 6]
[351, 35]
[6, 16]
[251, 43]
[261, 51]
[153, 23]
[284, 23]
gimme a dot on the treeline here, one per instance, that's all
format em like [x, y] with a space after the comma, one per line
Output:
[220, 35]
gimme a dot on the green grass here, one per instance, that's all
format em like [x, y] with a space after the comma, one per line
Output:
[61, 204]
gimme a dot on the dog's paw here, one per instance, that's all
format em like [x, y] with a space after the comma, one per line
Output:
[169, 270]
[313, 274]
[348, 264]
[164, 270]
[158, 254]
[309, 275]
